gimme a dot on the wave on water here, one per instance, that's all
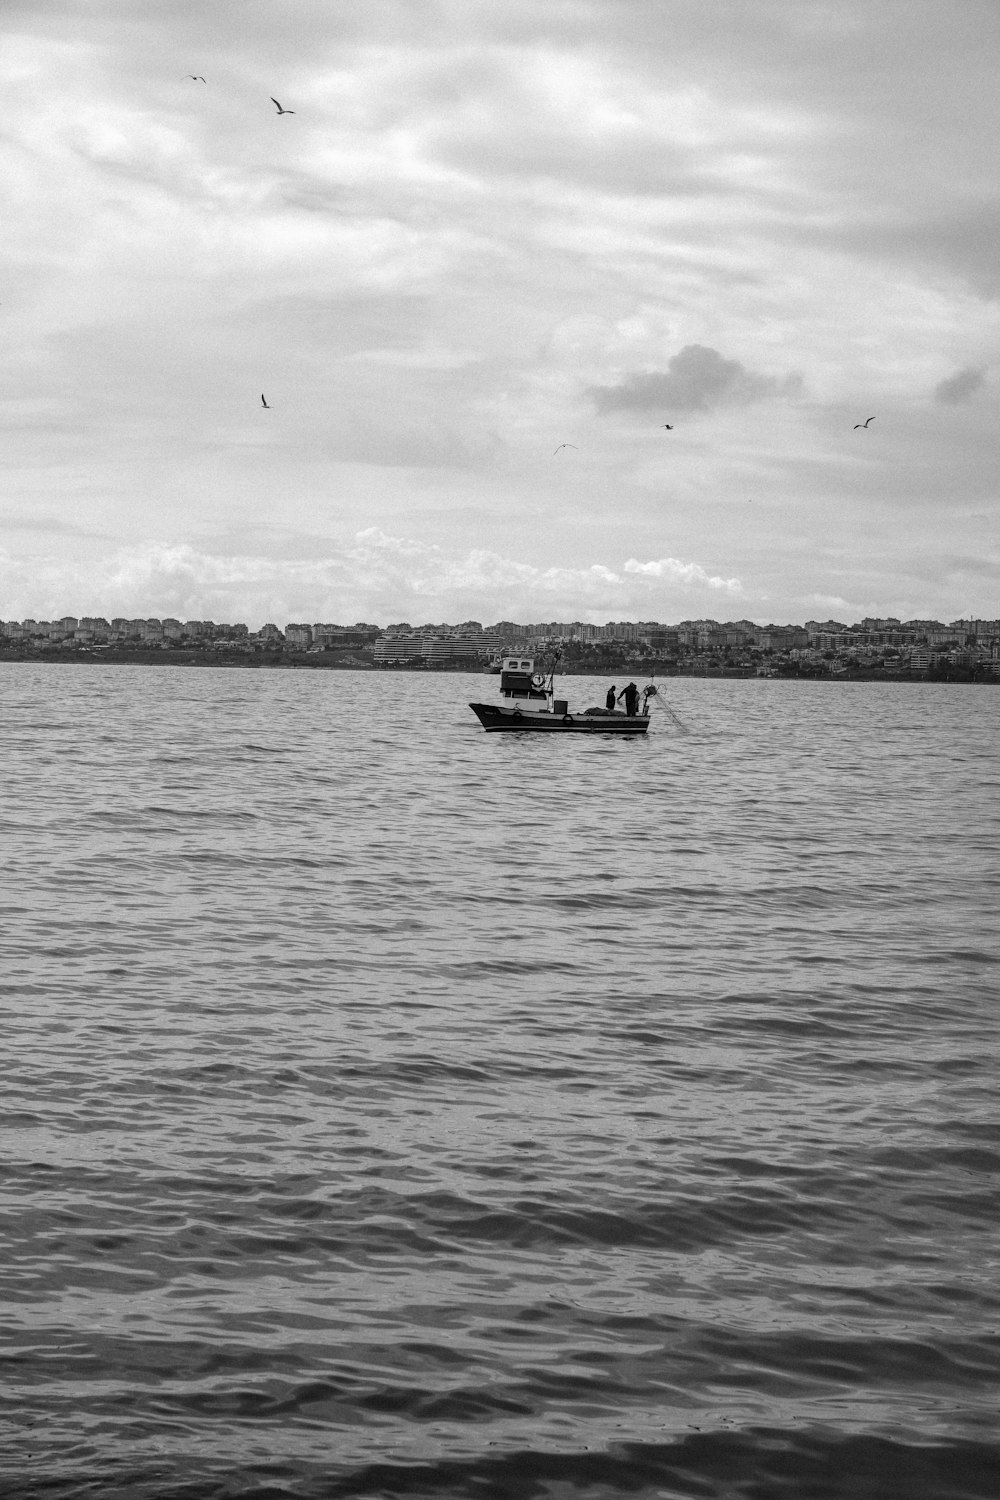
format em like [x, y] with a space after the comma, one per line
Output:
[440, 1114]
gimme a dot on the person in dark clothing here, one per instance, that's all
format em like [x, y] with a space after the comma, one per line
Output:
[631, 695]
[609, 702]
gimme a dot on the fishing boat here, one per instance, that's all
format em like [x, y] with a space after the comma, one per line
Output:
[528, 701]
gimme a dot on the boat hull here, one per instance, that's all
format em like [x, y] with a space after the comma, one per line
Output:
[495, 718]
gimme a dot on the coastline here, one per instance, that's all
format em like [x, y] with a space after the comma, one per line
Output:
[181, 657]
[354, 661]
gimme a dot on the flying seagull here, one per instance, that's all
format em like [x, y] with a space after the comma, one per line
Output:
[196, 78]
[263, 402]
[279, 108]
[863, 424]
[565, 445]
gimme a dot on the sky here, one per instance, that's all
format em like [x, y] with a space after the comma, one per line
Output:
[494, 248]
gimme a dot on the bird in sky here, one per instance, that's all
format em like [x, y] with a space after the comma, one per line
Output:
[863, 424]
[263, 402]
[565, 445]
[669, 426]
[196, 78]
[278, 107]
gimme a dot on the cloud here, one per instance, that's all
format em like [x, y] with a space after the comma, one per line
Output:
[374, 577]
[688, 574]
[960, 386]
[842, 607]
[478, 213]
[45, 523]
[696, 379]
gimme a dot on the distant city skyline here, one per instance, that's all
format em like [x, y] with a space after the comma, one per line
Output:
[966, 649]
[118, 623]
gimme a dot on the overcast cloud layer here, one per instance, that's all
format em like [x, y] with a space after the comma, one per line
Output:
[487, 230]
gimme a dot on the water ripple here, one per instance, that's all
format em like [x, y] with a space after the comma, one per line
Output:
[430, 1113]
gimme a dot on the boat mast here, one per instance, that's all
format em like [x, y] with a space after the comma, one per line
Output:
[551, 690]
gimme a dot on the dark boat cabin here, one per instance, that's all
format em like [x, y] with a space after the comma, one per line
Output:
[518, 679]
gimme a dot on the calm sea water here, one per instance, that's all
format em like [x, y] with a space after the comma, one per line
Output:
[395, 1109]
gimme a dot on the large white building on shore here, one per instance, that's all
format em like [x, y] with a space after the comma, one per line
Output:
[437, 648]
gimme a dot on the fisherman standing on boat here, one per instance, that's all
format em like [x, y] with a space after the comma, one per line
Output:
[631, 695]
[609, 702]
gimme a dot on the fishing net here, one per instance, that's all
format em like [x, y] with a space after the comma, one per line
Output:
[656, 698]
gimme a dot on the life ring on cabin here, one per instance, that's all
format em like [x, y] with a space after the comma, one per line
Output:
[538, 681]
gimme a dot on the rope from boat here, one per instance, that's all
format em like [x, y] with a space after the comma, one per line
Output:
[657, 698]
